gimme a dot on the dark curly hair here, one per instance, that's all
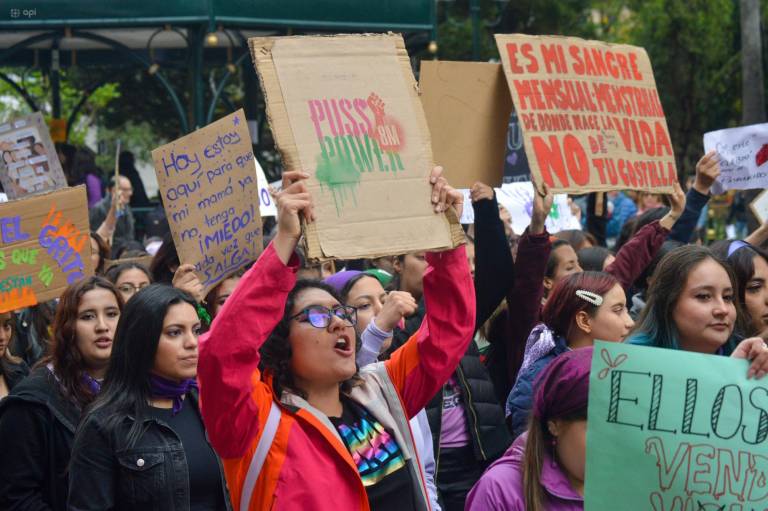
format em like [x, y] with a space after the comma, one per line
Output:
[276, 351]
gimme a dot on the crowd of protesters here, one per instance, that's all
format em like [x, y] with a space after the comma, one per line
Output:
[423, 381]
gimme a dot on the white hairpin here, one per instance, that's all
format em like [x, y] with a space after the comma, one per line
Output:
[593, 298]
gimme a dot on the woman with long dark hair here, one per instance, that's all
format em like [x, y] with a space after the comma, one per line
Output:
[750, 267]
[693, 306]
[142, 444]
[38, 419]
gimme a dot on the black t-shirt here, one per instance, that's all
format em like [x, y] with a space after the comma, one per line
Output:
[205, 492]
[379, 459]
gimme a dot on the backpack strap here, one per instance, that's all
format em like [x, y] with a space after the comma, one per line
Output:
[257, 461]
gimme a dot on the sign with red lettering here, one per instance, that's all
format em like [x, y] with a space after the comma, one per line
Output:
[346, 110]
[44, 247]
[674, 430]
[590, 114]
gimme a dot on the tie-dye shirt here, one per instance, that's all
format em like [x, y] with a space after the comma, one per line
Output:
[379, 459]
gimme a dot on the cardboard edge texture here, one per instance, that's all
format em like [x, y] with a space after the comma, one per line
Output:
[277, 114]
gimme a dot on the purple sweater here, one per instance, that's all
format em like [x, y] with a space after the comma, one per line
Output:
[501, 487]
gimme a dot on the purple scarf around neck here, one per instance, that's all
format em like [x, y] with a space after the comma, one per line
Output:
[170, 389]
[92, 383]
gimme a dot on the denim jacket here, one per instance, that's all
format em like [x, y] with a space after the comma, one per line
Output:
[150, 475]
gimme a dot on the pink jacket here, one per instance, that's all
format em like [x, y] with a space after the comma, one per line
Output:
[308, 467]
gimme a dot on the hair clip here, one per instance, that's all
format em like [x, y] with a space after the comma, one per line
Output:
[588, 296]
[735, 245]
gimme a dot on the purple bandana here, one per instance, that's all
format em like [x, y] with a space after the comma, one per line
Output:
[562, 387]
[170, 389]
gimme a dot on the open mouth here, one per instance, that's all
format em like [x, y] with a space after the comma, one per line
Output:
[343, 346]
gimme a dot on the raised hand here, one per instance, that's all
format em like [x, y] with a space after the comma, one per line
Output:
[707, 171]
[185, 279]
[293, 201]
[397, 305]
[542, 205]
[481, 191]
[677, 206]
[443, 194]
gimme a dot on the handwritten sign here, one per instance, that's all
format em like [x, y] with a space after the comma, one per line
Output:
[673, 430]
[743, 154]
[44, 247]
[28, 160]
[591, 117]
[211, 197]
[346, 110]
[267, 206]
[517, 198]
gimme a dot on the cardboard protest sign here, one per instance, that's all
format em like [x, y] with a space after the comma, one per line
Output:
[44, 247]
[516, 161]
[743, 154]
[759, 207]
[671, 429]
[346, 110]
[28, 160]
[208, 184]
[145, 261]
[591, 117]
[467, 105]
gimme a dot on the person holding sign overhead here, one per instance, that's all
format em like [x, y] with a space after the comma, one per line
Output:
[296, 424]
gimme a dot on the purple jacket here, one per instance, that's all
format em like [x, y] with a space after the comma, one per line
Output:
[501, 487]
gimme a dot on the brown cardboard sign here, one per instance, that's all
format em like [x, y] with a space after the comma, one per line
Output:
[28, 160]
[467, 105]
[144, 261]
[591, 117]
[211, 197]
[346, 110]
[44, 247]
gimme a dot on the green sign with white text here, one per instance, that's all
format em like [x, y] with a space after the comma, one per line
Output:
[675, 431]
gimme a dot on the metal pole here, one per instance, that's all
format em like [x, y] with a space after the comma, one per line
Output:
[55, 81]
[197, 40]
[474, 13]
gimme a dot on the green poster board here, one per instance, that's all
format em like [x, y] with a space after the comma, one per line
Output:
[675, 431]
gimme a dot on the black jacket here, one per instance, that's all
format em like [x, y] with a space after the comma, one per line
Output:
[37, 429]
[13, 373]
[151, 475]
[488, 431]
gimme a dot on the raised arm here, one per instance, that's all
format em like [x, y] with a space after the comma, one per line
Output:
[707, 171]
[494, 267]
[635, 255]
[231, 391]
[423, 364]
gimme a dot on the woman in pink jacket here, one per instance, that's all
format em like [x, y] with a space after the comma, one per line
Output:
[544, 468]
[296, 424]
